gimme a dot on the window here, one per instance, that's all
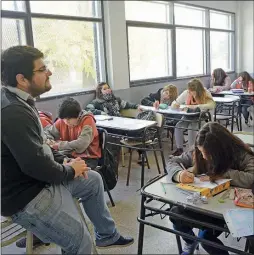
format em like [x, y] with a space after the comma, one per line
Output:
[189, 16]
[221, 50]
[221, 20]
[153, 11]
[18, 6]
[169, 40]
[69, 34]
[13, 32]
[150, 52]
[221, 42]
[68, 8]
[190, 52]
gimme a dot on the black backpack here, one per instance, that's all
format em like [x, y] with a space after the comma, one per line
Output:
[108, 162]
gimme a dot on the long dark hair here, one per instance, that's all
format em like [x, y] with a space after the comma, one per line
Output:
[246, 78]
[219, 76]
[98, 92]
[222, 149]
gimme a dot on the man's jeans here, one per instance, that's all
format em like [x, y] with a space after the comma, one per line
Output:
[53, 216]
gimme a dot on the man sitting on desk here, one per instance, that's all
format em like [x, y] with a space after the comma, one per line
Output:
[76, 133]
[218, 154]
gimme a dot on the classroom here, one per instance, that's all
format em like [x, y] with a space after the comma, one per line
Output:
[127, 127]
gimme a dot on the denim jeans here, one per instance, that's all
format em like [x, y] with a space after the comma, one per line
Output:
[208, 234]
[53, 216]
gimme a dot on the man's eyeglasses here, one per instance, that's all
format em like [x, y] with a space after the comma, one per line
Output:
[43, 69]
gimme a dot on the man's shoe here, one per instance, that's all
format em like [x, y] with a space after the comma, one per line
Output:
[36, 242]
[121, 242]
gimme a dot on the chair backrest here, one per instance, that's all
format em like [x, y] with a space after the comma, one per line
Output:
[129, 113]
[103, 138]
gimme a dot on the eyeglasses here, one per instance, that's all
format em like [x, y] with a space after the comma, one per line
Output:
[43, 69]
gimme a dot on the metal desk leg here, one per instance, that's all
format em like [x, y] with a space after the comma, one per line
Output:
[233, 118]
[240, 115]
[141, 226]
[142, 168]
[179, 244]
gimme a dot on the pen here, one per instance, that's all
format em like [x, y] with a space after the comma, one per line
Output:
[163, 187]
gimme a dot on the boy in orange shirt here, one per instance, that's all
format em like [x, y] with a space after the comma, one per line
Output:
[75, 133]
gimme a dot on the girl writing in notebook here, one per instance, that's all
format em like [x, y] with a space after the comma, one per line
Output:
[218, 154]
[246, 82]
[195, 98]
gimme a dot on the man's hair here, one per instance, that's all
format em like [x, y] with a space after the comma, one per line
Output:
[70, 108]
[18, 60]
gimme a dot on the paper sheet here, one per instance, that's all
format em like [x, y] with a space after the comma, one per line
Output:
[240, 222]
[208, 184]
[102, 117]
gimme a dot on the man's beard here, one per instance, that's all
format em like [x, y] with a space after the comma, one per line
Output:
[36, 91]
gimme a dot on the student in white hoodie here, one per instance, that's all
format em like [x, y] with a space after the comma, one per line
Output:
[196, 98]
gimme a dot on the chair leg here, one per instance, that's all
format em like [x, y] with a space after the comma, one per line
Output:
[129, 169]
[172, 138]
[148, 166]
[156, 160]
[123, 161]
[29, 242]
[107, 189]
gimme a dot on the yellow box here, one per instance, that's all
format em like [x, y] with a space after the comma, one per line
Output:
[208, 192]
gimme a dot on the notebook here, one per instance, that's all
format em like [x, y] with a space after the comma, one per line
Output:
[240, 222]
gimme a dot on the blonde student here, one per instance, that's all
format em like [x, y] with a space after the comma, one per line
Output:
[166, 95]
[218, 154]
[196, 98]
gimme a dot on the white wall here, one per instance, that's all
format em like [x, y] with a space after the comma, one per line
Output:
[246, 38]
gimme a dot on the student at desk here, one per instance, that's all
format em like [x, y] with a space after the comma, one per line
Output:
[107, 103]
[165, 95]
[246, 82]
[75, 133]
[219, 154]
[196, 98]
[220, 81]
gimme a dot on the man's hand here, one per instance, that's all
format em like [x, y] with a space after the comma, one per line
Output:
[79, 167]
[156, 105]
[186, 177]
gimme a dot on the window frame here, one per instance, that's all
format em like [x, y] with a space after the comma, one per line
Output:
[173, 26]
[27, 16]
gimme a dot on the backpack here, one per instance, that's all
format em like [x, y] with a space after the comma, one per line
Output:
[108, 162]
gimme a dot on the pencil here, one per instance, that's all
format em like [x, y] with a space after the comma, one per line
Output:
[163, 187]
[182, 166]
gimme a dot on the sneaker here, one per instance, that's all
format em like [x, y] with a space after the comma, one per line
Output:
[188, 249]
[36, 242]
[121, 242]
[178, 152]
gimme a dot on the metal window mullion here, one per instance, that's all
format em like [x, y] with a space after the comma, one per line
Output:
[28, 25]
[174, 64]
[104, 40]
[207, 41]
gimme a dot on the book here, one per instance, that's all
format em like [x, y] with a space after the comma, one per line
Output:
[206, 188]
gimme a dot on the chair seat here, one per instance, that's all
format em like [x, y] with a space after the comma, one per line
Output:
[134, 143]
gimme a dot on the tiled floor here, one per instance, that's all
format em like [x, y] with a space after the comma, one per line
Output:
[125, 214]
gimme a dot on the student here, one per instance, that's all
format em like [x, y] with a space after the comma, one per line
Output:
[246, 82]
[196, 98]
[164, 95]
[76, 133]
[220, 81]
[46, 119]
[37, 191]
[219, 154]
[107, 103]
